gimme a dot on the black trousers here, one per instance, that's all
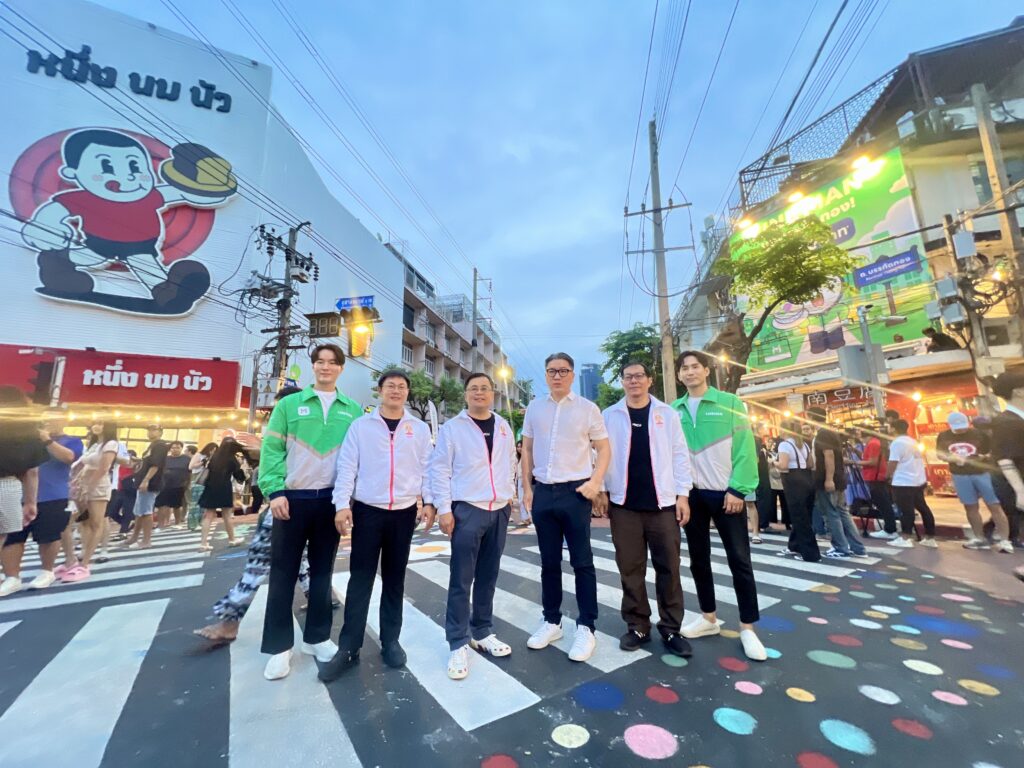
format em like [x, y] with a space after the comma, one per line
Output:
[633, 534]
[879, 490]
[384, 536]
[311, 521]
[908, 499]
[257, 500]
[798, 485]
[705, 507]
[1008, 500]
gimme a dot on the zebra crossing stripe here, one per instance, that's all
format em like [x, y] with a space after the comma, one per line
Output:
[487, 695]
[775, 537]
[127, 560]
[50, 599]
[722, 594]
[524, 613]
[7, 626]
[722, 569]
[121, 554]
[123, 573]
[284, 722]
[820, 569]
[103, 660]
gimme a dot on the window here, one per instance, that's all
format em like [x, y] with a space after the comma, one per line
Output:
[428, 366]
[406, 354]
[432, 334]
[409, 317]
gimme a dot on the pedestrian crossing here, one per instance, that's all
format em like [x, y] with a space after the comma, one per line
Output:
[299, 720]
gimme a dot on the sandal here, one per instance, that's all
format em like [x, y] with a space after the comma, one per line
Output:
[78, 573]
[756, 540]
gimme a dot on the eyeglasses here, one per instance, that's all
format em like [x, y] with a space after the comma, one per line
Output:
[479, 390]
[634, 376]
[558, 373]
[395, 388]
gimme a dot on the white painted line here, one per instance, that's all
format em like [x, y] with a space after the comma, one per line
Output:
[785, 539]
[487, 695]
[722, 595]
[50, 599]
[7, 626]
[127, 563]
[136, 573]
[103, 660]
[121, 554]
[525, 614]
[281, 722]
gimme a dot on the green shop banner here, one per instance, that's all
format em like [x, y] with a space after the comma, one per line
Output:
[872, 203]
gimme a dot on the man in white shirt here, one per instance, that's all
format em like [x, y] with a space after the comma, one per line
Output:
[472, 481]
[908, 478]
[560, 433]
[381, 493]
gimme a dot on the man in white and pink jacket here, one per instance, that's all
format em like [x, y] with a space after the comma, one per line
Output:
[648, 483]
[380, 494]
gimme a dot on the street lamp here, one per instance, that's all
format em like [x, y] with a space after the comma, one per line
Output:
[504, 373]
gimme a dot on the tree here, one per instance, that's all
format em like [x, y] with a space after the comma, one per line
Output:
[782, 263]
[608, 395]
[514, 418]
[641, 343]
[526, 388]
[423, 390]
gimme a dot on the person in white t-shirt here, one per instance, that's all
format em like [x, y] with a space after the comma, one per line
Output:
[908, 479]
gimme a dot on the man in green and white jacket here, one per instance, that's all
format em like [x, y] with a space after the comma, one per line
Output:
[724, 463]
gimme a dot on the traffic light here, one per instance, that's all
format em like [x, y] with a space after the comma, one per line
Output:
[359, 322]
[41, 383]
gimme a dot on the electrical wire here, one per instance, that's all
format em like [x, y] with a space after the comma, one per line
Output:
[640, 111]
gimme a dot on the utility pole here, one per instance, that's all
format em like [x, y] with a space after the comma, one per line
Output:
[472, 344]
[668, 358]
[284, 304]
[877, 398]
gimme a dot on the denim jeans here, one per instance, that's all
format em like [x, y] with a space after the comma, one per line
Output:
[840, 522]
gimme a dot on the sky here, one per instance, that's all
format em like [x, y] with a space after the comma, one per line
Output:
[516, 122]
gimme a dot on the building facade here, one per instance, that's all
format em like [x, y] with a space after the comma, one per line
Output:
[590, 377]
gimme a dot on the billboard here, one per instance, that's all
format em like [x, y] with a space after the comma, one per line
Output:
[864, 208]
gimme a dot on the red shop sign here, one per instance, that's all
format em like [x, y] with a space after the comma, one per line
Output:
[113, 379]
[842, 396]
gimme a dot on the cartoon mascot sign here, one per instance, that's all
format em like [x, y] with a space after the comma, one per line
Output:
[107, 231]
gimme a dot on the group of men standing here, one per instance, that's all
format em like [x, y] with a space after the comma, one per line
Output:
[652, 467]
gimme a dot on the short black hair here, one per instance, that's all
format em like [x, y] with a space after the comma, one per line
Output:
[76, 143]
[631, 363]
[560, 356]
[702, 357]
[283, 392]
[177, 442]
[929, 331]
[816, 413]
[192, 449]
[891, 413]
[332, 348]
[901, 426]
[394, 373]
[478, 375]
[1005, 383]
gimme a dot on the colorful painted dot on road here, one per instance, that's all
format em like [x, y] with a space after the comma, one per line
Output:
[662, 694]
[996, 630]
[880, 695]
[830, 599]
[772, 653]
[815, 760]
[499, 761]
[801, 609]
[431, 548]
[978, 687]
[922, 666]
[731, 634]
[650, 741]
[598, 696]
[749, 688]
[865, 624]
[927, 576]
[947, 627]
[799, 694]
[817, 620]
[847, 736]
[929, 610]
[957, 598]
[832, 659]
[976, 617]
[897, 567]
[885, 609]
[876, 615]
[908, 644]
[846, 641]
[904, 581]
[960, 645]
[886, 586]
[732, 664]
[570, 736]
[735, 721]
[674, 661]
[826, 589]
[908, 599]
[947, 697]
[999, 673]
[776, 624]
[906, 630]
[914, 728]
[861, 595]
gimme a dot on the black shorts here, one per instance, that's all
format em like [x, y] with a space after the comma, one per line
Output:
[51, 520]
[171, 497]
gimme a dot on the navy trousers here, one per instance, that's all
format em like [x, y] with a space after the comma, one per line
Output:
[477, 543]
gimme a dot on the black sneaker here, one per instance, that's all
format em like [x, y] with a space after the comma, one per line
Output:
[337, 666]
[678, 645]
[393, 655]
[632, 640]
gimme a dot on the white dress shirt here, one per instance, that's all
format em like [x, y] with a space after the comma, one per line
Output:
[562, 432]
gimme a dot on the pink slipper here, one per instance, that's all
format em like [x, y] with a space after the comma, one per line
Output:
[78, 573]
[60, 570]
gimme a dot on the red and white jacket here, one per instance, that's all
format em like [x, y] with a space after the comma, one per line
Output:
[670, 458]
[461, 470]
[383, 469]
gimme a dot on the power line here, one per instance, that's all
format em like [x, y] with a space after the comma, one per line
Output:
[640, 111]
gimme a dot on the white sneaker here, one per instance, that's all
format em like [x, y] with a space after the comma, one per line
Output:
[752, 646]
[43, 580]
[10, 586]
[458, 663]
[881, 535]
[1005, 546]
[930, 543]
[701, 628]
[492, 645]
[279, 666]
[322, 652]
[901, 543]
[583, 644]
[544, 636]
[976, 543]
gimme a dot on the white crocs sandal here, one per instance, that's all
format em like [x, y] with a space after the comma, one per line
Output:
[492, 645]
[458, 663]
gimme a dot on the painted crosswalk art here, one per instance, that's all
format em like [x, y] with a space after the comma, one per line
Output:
[362, 719]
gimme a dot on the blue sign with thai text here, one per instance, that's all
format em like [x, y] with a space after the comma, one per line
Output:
[365, 302]
[887, 268]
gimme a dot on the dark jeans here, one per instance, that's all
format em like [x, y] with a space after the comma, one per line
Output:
[798, 485]
[477, 543]
[705, 507]
[880, 498]
[633, 534]
[120, 509]
[840, 522]
[909, 498]
[311, 521]
[378, 535]
[558, 513]
[1008, 500]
